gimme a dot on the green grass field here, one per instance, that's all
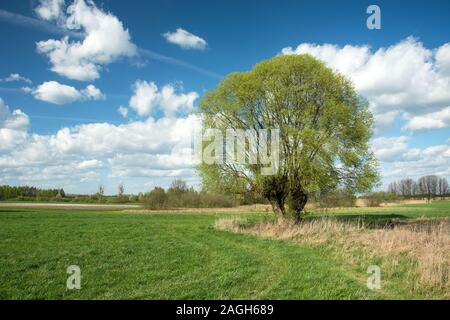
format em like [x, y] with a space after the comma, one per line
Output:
[171, 256]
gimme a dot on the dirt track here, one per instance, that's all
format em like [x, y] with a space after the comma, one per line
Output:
[72, 206]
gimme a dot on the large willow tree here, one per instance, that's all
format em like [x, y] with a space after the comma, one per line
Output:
[324, 131]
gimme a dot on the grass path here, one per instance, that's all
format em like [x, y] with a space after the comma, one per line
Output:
[170, 256]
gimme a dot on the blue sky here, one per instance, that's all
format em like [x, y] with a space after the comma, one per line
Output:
[131, 55]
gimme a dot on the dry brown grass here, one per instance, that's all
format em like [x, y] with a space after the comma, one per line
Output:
[421, 247]
[426, 242]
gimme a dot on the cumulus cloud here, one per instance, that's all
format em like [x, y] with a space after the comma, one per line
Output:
[147, 97]
[140, 149]
[57, 93]
[89, 164]
[434, 120]
[443, 58]
[123, 111]
[418, 162]
[91, 92]
[405, 79]
[390, 149]
[399, 160]
[105, 41]
[16, 77]
[50, 9]
[13, 127]
[185, 39]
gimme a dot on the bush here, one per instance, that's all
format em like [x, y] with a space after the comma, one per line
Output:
[182, 197]
[375, 199]
[216, 201]
[337, 198]
[156, 199]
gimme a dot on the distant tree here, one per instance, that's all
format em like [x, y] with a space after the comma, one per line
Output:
[178, 186]
[156, 199]
[428, 186]
[120, 190]
[393, 188]
[407, 187]
[100, 191]
[416, 190]
[443, 187]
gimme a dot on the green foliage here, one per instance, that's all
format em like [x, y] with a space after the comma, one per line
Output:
[215, 180]
[29, 193]
[33, 194]
[325, 128]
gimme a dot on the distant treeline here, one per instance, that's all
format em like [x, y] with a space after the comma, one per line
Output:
[180, 195]
[428, 187]
[26, 192]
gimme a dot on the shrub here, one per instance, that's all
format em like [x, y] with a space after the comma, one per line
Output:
[185, 198]
[336, 198]
[156, 199]
[209, 200]
[375, 199]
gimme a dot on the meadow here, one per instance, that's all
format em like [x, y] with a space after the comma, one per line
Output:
[220, 255]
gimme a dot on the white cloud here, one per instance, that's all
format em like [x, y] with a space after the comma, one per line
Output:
[50, 9]
[105, 41]
[89, 164]
[404, 79]
[390, 148]
[399, 160]
[57, 93]
[348, 59]
[13, 127]
[172, 103]
[123, 111]
[185, 39]
[434, 120]
[443, 58]
[27, 89]
[16, 77]
[147, 97]
[150, 149]
[385, 120]
[417, 162]
[93, 93]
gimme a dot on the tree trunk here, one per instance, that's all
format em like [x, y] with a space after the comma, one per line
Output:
[275, 190]
[279, 211]
[297, 200]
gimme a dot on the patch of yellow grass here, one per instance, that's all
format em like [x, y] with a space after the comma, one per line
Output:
[425, 243]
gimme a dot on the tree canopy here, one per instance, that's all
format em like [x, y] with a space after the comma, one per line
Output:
[324, 131]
